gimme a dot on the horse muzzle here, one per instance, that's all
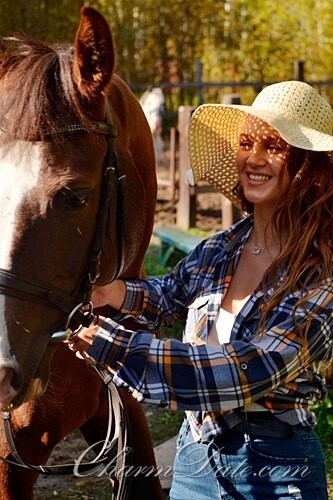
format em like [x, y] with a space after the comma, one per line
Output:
[10, 383]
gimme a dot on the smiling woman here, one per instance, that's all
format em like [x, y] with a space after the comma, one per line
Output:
[261, 161]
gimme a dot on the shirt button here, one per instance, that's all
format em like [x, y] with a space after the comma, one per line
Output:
[243, 366]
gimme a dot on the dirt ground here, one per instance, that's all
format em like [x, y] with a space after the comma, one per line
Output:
[68, 487]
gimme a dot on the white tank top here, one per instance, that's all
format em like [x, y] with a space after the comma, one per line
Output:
[221, 329]
[220, 334]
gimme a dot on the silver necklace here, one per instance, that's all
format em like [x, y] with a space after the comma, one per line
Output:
[257, 250]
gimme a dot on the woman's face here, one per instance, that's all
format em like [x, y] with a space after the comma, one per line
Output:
[262, 160]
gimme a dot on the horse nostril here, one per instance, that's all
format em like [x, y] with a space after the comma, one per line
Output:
[7, 390]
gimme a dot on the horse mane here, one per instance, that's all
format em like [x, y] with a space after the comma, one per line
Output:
[38, 94]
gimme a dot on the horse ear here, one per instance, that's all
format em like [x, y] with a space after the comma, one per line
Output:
[94, 54]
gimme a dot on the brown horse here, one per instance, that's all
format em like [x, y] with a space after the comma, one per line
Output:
[54, 156]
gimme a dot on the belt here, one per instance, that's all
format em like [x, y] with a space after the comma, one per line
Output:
[263, 424]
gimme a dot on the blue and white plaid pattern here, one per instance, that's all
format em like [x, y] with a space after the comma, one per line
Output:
[279, 369]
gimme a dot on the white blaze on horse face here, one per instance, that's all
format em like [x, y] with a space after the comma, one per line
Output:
[20, 163]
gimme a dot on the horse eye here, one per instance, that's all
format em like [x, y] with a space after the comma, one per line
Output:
[72, 199]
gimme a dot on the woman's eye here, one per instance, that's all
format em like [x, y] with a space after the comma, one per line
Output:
[275, 148]
[245, 145]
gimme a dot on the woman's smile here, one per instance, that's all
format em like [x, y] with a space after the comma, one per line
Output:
[257, 179]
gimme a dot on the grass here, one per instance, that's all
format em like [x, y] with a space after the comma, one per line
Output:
[328, 452]
[163, 424]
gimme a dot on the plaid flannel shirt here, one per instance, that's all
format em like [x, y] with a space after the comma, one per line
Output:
[279, 369]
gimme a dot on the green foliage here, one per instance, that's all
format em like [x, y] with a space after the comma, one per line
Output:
[151, 263]
[154, 268]
[45, 20]
[236, 40]
[163, 424]
[324, 429]
[200, 232]
[324, 413]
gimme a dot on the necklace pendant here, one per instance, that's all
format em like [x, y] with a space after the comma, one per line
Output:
[256, 250]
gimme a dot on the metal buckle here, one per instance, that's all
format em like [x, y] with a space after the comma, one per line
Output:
[68, 333]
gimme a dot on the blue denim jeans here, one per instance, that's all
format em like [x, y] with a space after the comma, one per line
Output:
[249, 468]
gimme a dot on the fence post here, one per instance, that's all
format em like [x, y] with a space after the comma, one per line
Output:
[198, 71]
[172, 163]
[299, 70]
[227, 215]
[187, 198]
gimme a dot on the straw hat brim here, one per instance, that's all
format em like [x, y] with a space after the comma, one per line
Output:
[214, 138]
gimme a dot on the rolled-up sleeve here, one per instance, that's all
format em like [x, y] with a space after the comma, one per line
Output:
[209, 378]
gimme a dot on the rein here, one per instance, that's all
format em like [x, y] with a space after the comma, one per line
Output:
[96, 465]
[71, 304]
[115, 453]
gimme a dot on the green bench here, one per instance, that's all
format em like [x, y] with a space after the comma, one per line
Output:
[172, 239]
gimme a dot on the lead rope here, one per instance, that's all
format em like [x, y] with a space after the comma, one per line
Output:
[124, 456]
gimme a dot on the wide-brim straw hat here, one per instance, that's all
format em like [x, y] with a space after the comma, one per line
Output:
[294, 109]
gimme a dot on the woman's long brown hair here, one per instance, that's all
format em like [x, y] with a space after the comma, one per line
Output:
[303, 220]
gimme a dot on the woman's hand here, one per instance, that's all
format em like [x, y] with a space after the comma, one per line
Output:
[112, 295]
[83, 340]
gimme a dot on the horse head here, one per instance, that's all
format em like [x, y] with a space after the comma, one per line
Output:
[69, 168]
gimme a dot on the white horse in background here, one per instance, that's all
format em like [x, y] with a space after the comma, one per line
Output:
[152, 102]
